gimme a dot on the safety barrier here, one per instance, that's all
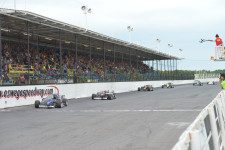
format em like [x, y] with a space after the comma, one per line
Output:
[204, 75]
[207, 132]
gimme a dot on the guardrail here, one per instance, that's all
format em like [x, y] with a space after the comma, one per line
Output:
[207, 132]
[206, 75]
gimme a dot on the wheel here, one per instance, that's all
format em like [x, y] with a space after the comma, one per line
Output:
[139, 89]
[58, 104]
[148, 89]
[109, 97]
[37, 104]
[93, 96]
[65, 102]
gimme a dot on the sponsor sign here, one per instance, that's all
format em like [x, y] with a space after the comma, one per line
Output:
[25, 93]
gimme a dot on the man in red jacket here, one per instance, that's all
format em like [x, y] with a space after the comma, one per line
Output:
[219, 41]
[219, 50]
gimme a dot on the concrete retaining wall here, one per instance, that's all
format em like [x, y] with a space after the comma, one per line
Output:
[11, 96]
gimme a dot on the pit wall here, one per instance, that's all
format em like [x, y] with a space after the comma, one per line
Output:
[207, 132]
[11, 96]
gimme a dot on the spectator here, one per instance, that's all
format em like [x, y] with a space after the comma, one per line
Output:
[22, 79]
[222, 81]
[45, 62]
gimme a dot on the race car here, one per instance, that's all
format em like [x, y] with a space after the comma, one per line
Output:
[197, 83]
[211, 83]
[104, 95]
[52, 101]
[146, 88]
[168, 85]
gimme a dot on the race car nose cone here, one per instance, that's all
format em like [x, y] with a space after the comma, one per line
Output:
[49, 103]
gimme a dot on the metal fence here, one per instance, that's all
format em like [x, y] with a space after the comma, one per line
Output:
[207, 132]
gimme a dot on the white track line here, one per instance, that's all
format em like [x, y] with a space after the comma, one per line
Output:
[132, 110]
[118, 111]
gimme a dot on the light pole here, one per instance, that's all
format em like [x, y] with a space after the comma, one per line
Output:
[14, 4]
[86, 10]
[181, 54]
[181, 51]
[25, 4]
[158, 43]
[130, 29]
[170, 46]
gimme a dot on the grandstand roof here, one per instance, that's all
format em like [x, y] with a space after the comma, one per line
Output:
[17, 20]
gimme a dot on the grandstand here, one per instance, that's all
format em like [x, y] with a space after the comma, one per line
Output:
[38, 50]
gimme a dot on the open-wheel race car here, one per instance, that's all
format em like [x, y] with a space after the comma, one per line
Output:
[52, 101]
[197, 83]
[146, 88]
[104, 95]
[211, 83]
[168, 85]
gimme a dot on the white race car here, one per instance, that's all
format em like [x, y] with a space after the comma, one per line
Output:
[146, 88]
[211, 83]
[197, 83]
[168, 85]
[104, 95]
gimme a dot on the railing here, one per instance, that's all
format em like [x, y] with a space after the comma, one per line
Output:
[219, 54]
[206, 75]
[56, 76]
[207, 132]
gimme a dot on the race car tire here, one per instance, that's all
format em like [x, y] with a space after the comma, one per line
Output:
[58, 104]
[65, 102]
[109, 97]
[93, 96]
[139, 89]
[148, 89]
[37, 104]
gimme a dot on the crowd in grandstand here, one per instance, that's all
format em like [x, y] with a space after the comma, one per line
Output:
[44, 63]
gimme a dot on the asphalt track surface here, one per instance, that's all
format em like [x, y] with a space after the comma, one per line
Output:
[134, 121]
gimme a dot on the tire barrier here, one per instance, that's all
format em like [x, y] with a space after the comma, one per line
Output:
[207, 132]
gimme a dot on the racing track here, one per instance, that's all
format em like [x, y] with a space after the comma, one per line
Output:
[134, 121]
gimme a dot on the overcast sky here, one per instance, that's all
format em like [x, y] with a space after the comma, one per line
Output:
[179, 22]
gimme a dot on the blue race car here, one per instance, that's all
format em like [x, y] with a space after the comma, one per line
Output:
[52, 101]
